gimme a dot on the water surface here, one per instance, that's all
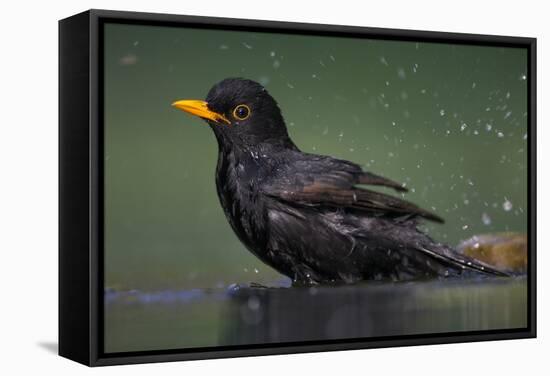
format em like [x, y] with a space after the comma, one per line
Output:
[173, 319]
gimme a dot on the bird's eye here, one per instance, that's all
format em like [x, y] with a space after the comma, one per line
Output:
[241, 112]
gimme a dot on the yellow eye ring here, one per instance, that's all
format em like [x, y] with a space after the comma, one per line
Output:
[241, 112]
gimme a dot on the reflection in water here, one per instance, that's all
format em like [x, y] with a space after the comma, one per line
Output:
[282, 315]
[137, 320]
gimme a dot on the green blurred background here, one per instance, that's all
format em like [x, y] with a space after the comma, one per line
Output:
[448, 120]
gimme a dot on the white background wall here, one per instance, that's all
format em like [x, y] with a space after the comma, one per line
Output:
[28, 185]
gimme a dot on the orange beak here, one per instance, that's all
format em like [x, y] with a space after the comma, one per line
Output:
[199, 108]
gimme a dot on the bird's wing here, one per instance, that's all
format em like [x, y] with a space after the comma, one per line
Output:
[324, 181]
[368, 178]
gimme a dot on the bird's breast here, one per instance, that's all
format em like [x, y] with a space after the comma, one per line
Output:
[237, 183]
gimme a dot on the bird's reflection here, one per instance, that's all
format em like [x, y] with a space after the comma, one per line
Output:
[251, 314]
[256, 315]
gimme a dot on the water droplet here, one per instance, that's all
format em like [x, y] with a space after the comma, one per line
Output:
[486, 219]
[442, 112]
[264, 80]
[272, 54]
[224, 47]
[507, 205]
[473, 85]
[488, 127]
[247, 46]
[276, 64]
[523, 77]
[507, 114]
[129, 59]
[463, 126]
[383, 60]
[256, 271]
[465, 227]
[401, 73]
[500, 134]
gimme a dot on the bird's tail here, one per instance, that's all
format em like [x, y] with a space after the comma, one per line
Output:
[447, 256]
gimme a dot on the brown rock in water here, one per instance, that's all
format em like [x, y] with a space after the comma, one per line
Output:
[507, 250]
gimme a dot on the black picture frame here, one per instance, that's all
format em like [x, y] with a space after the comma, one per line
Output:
[81, 182]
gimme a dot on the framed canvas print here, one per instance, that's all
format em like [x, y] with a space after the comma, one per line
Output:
[237, 187]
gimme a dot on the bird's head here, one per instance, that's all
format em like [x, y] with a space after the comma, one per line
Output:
[241, 112]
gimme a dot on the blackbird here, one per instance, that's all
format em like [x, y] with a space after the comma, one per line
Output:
[308, 216]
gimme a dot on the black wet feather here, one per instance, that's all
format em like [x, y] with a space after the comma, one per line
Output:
[309, 216]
